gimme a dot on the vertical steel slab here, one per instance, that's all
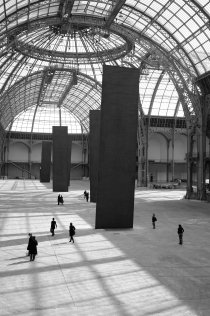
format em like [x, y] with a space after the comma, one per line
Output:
[69, 157]
[60, 159]
[94, 140]
[118, 143]
[45, 162]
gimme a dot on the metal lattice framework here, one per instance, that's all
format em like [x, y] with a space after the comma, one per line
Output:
[52, 53]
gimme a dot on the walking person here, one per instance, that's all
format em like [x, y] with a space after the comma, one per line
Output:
[85, 192]
[59, 199]
[29, 241]
[154, 219]
[87, 196]
[33, 248]
[71, 232]
[53, 226]
[180, 232]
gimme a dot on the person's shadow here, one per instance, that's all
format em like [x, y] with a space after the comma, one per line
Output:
[19, 262]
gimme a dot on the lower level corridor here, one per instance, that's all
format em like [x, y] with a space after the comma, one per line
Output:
[140, 272]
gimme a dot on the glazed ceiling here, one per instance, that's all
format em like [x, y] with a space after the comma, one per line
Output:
[52, 54]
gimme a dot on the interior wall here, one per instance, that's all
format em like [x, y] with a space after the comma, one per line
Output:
[36, 150]
[18, 152]
[76, 152]
[180, 145]
[157, 156]
[157, 148]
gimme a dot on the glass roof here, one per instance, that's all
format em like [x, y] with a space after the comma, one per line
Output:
[52, 54]
[45, 118]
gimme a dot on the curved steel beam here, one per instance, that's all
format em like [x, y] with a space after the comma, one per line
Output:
[57, 69]
[12, 74]
[55, 20]
[124, 31]
[87, 80]
[114, 12]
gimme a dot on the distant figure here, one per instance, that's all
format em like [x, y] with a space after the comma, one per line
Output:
[53, 226]
[151, 177]
[33, 248]
[85, 192]
[59, 199]
[154, 219]
[180, 232]
[29, 241]
[71, 232]
[87, 196]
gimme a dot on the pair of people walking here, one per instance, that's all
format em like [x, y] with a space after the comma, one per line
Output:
[86, 195]
[32, 247]
[180, 229]
[72, 230]
[60, 199]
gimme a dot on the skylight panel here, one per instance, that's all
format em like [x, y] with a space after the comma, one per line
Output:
[156, 6]
[2, 13]
[180, 112]
[174, 20]
[203, 2]
[194, 43]
[22, 3]
[51, 10]
[155, 111]
[207, 7]
[204, 41]
[184, 30]
[149, 2]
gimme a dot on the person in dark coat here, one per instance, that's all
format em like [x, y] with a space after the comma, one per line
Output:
[33, 248]
[180, 232]
[85, 192]
[53, 226]
[154, 219]
[59, 199]
[71, 232]
[87, 196]
[29, 240]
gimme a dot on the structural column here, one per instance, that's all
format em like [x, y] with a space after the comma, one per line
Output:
[142, 153]
[117, 155]
[201, 149]
[167, 159]
[189, 162]
[172, 155]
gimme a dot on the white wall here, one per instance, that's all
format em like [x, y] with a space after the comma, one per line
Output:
[157, 152]
[180, 148]
[18, 151]
[76, 153]
[36, 151]
[157, 149]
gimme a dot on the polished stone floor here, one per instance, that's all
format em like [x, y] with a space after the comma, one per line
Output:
[142, 271]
